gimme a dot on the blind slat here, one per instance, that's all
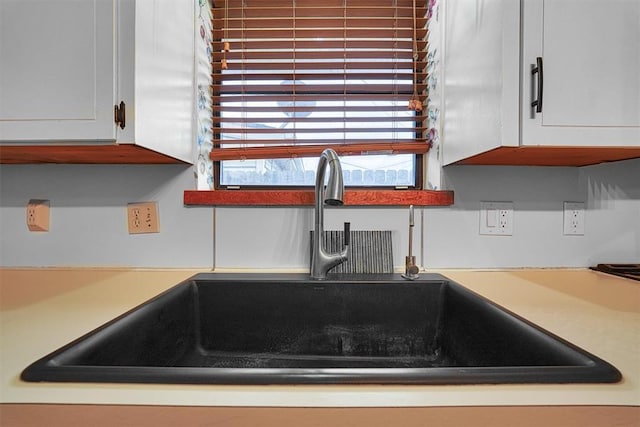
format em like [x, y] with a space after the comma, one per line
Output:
[397, 74]
[310, 33]
[313, 3]
[401, 97]
[318, 44]
[256, 55]
[319, 108]
[262, 119]
[271, 143]
[302, 23]
[270, 11]
[302, 66]
[301, 130]
[261, 90]
[313, 150]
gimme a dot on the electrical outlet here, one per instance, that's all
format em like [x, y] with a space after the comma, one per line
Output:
[38, 215]
[496, 218]
[143, 217]
[573, 219]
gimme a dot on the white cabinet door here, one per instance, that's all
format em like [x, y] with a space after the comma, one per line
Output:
[164, 105]
[590, 53]
[480, 77]
[57, 76]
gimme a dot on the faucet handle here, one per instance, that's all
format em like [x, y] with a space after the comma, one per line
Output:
[347, 233]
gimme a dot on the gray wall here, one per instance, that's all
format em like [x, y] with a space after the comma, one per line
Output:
[88, 220]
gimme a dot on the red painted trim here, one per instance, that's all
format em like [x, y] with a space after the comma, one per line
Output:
[552, 156]
[306, 198]
[83, 154]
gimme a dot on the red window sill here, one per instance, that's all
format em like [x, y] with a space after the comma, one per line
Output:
[306, 198]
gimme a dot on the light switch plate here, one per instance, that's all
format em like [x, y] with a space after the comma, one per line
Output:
[496, 218]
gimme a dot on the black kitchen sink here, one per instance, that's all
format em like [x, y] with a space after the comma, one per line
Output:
[287, 329]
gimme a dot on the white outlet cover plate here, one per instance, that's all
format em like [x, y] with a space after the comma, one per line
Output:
[573, 222]
[496, 218]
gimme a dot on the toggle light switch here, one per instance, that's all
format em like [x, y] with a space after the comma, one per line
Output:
[492, 218]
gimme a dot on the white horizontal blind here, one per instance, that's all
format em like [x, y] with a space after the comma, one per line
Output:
[303, 75]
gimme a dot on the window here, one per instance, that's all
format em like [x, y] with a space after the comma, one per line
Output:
[292, 77]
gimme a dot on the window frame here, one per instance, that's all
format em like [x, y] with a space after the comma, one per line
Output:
[420, 119]
[419, 173]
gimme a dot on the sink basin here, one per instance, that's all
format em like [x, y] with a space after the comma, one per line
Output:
[287, 329]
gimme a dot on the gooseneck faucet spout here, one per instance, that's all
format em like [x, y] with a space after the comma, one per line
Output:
[321, 260]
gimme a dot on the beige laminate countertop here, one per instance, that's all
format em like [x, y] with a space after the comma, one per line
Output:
[43, 309]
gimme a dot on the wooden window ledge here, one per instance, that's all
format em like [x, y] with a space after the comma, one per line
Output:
[306, 198]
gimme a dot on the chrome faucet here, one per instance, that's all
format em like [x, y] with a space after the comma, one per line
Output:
[321, 260]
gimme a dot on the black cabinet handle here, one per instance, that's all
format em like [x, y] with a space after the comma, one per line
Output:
[538, 70]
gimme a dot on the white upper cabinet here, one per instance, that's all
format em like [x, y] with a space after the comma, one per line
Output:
[57, 70]
[590, 53]
[579, 59]
[156, 75]
[66, 64]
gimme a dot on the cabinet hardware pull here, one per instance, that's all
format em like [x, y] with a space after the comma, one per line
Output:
[538, 69]
[119, 114]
